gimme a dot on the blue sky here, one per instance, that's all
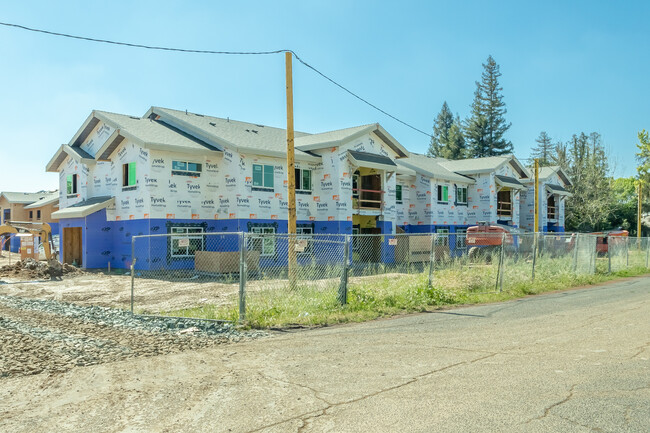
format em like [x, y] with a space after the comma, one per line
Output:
[567, 67]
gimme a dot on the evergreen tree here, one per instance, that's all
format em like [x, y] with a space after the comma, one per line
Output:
[441, 128]
[455, 148]
[543, 151]
[591, 202]
[487, 125]
[560, 156]
[644, 158]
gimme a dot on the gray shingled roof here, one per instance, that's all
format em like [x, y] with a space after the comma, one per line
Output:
[84, 208]
[24, 197]
[49, 198]
[331, 137]
[473, 165]
[241, 135]
[430, 167]
[155, 133]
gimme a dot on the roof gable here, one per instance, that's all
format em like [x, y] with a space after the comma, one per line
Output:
[431, 168]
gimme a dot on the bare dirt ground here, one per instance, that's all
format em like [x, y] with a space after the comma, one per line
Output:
[154, 295]
[114, 290]
[8, 258]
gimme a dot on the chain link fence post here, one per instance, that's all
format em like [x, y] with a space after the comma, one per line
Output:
[132, 269]
[535, 246]
[627, 252]
[432, 258]
[242, 277]
[575, 253]
[609, 254]
[502, 261]
[343, 286]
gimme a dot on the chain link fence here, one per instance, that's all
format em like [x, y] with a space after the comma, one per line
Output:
[226, 276]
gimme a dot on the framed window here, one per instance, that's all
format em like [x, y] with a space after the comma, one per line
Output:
[186, 168]
[31, 214]
[398, 193]
[443, 193]
[461, 239]
[303, 180]
[71, 184]
[38, 214]
[263, 240]
[443, 239]
[355, 238]
[186, 241]
[306, 234]
[355, 185]
[461, 195]
[263, 176]
[128, 175]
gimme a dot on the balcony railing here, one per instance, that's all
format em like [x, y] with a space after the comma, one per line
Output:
[504, 209]
[367, 199]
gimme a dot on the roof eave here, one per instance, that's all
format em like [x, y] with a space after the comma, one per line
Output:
[50, 168]
[397, 147]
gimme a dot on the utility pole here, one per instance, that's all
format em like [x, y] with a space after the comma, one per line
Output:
[291, 175]
[639, 212]
[536, 195]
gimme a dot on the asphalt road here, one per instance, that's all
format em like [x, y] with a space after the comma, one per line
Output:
[576, 361]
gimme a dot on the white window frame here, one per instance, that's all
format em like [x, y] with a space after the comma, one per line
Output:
[461, 239]
[186, 171]
[440, 193]
[183, 232]
[264, 186]
[356, 240]
[442, 240]
[458, 191]
[401, 193]
[300, 188]
[267, 243]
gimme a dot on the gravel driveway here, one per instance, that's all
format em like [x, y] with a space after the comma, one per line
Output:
[49, 336]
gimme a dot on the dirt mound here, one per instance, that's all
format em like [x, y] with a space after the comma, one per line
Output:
[32, 269]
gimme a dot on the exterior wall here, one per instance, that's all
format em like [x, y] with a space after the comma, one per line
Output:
[482, 200]
[507, 170]
[527, 205]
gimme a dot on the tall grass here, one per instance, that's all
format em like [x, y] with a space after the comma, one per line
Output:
[315, 303]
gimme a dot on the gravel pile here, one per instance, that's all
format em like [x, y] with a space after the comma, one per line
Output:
[33, 269]
[49, 336]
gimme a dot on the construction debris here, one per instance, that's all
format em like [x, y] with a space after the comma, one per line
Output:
[32, 269]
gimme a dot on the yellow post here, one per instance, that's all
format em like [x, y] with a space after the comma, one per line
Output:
[536, 195]
[291, 175]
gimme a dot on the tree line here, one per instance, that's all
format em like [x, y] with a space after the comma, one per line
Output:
[598, 201]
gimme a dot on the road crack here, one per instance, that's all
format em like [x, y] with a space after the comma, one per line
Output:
[548, 409]
[307, 417]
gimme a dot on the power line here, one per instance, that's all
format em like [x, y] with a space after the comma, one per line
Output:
[185, 50]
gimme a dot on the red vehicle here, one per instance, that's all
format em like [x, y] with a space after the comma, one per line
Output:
[602, 239]
[487, 237]
[483, 235]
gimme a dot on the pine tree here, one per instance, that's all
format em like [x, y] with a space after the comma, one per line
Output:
[591, 202]
[441, 128]
[487, 125]
[455, 148]
[544, 149]
[560, 155]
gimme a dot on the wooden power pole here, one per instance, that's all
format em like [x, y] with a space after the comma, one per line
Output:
[291, 175]
[639, 212]
[536, 195]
